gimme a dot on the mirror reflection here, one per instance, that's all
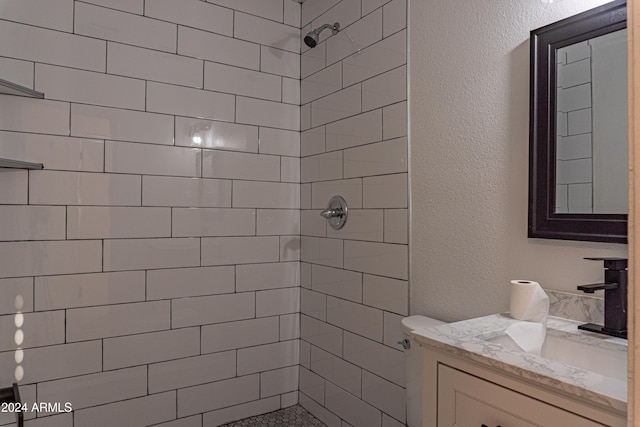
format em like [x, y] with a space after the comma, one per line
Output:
[591, 126]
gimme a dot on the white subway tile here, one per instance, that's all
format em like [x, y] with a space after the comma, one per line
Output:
[336, 106]
[279, 62]
[96, 389]
[267, 113]
[380, 158]
[350, 408]
[312, 141]
[385, 89]
[47, 258]
[267, 276]
[191, 371]
[212, 396]
[322, 83]
[219, 135]
[141, 349]
[386, 294]
[290, 326]
[32, 223]
[234, 335]
[270, 9]
[232, 165]
[387, 421]
[388, 191]
[312, 224]
[212, 309]
[357, 130]
[312, 385]
[14, 186]
[66, 360]
[383, 259]
[192, 13]
[16, 295]
[268, 356]
[393, 333]
[72, 188]
[340, 283]
[370, 5]
[321, 167]
[238, 412]
[305, 117]
[290, 90]
[292, 13]
[350, 189]
[365, 321]
[313, 60]
[87, 87]
[319, 411]
[149, 64]
[139, 254]
[63, 420]
[394, 120]
[282, 142]
[384, 395]
[82, 290]
[278, 222]
[184, 101]
[151, 159]
[311, 9]
[240, 81]
[51, 47]
[56, 152]
[97, 222]
[194, 421]
[197, 222]
[375, 357]
[313, 304]
[123, 27]
[290, 169]
[185, 192]
[289, 248]
[25, 330]
[356, 37]
[396, 229]
[133, 6]
[17, 71]
[189, 282]
[217, 48]
[239, 250]
[266, 32]
[277, 301]
[321, 334]
[362, 225]
[34, 115]
[142, 411]
[305, 196]
[273, 195]
[279, 381]
[54, 14]
[305, 354]
[385, 55]
[115, 320]
[317, 250]
[123, 125]
[336, 370]
[395, 17]
[345, 12]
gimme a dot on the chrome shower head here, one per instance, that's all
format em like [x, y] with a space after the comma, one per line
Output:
[311, 39]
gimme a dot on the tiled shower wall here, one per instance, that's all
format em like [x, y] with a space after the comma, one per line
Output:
[354, 281]
[150, 273]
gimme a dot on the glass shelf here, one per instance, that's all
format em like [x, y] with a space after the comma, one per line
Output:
[18, 164]
[10, 88]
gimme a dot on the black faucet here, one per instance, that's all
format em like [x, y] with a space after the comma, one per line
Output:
[615, 298]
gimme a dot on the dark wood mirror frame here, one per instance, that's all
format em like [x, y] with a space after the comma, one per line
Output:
[544, 222]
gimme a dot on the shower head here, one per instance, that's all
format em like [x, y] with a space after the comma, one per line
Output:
[311, 39]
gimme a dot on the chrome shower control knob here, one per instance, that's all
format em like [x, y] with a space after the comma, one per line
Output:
[336, 212]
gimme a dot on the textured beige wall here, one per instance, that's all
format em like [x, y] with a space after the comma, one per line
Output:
[469, 113]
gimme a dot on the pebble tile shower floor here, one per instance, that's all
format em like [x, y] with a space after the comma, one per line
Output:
[294, 416]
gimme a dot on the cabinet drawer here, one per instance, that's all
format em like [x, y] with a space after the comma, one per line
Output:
[468, 401]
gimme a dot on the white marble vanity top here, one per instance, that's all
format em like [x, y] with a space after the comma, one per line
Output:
[469, 339]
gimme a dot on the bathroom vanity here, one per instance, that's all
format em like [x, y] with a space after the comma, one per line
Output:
[475, 375]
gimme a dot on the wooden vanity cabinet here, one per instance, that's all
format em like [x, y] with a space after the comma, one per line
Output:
[462, 393]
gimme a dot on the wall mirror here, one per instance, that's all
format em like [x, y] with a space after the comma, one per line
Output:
[578, 137]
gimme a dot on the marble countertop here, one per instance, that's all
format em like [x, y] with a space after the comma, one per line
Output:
[468, 339]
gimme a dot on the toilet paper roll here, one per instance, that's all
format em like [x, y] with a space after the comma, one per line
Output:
[529, 301]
